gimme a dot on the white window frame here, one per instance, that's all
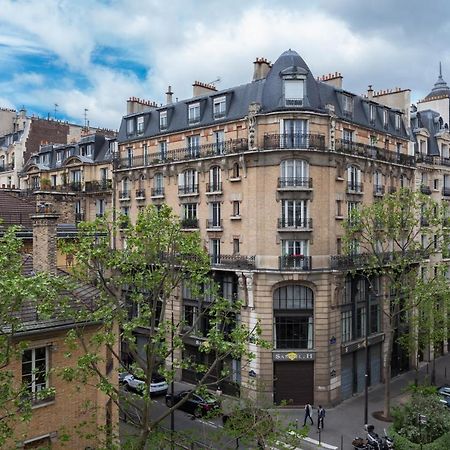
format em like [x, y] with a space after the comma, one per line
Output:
[219, 107]
[130, 125]
[163, 120]
[294, 92]
[33, 387]
[140, 124]
[194, 113]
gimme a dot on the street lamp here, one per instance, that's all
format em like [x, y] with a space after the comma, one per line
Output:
[172, 385]
[366, 375]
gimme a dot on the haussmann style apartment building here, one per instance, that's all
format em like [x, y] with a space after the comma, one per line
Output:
[267, 172]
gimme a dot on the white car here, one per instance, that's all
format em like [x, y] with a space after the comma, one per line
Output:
[158, 385]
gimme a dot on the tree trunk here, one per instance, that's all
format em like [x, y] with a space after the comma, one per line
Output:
[387, 373]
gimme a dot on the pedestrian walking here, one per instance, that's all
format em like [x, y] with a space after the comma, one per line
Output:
[308, 414]
[320, 417]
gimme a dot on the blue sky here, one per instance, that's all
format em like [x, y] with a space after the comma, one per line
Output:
[95, 54]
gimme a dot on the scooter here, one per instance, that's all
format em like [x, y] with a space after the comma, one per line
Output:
[373, 441]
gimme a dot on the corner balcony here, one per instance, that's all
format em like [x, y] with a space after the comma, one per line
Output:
[294, 183]
[287, 141]
[294, 224]
[295, 262]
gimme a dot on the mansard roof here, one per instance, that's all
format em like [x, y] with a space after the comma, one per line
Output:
[269, 94]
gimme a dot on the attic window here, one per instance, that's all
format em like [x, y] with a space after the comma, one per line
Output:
[385, 118]
[194, 113]
[163, 120]
[347, 101]
[219, 107]
[130, 125]
[294, 92]
[140, 124]
[397, 121]
[372, 114]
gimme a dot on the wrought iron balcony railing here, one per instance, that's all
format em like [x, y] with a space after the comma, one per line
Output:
[189, 223]
[213, 223]
[295, 262]
[294, 140]
[294, 182]
[191, 189]
[297, 223]
[140, 193]
[213, 187]
[354, 188]
[425, 189]
[233, 261]
[157, 192]
[378, 190]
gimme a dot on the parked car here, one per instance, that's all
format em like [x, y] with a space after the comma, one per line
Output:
[158, 384]
[198, 405]
[444, 393]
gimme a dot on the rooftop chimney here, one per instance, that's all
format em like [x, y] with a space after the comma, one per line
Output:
[44, 238]
[137, 105]
[261, 67]
[200, 88]
[169, 94]
[370, 92]
[333, 79]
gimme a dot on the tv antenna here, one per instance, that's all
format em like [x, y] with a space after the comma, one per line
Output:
[217, 80]
[56, 110]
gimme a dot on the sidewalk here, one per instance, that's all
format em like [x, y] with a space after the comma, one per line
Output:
[345, 421]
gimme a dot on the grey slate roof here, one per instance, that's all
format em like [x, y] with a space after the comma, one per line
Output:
[100, 152]
[268, 93]
[433, 123]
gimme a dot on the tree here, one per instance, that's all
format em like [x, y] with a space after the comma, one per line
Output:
[138, 288]
[18, 291]
[390, 239]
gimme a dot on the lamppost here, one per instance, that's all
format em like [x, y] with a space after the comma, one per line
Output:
[366, 375]
[172, 384]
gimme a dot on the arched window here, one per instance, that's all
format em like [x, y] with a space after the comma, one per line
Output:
[2, 161]
[294, 172]
[158, 184]
[354, 179]
[125, 192]
[293, 307]
[215, 179]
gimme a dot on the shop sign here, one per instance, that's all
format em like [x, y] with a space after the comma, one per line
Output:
[293, 356]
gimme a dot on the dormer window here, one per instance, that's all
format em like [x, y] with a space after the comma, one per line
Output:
[385, 118]
[219, 107]
[163, 120]
[194, 113]
[130, 125]
[59, 156]
[372, 114]
[397, 122]
[347, 103]
[140, 124]
[294, 92]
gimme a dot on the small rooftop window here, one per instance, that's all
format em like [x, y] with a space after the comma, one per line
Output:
[163, 120]
[219, 107]
[347, 103]
[194, 113]
[140, 124]
[294, 91]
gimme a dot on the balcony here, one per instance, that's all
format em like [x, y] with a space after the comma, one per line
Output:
[140, 194]
[189, 224]
[370, 151]
[303, 141]
[378, 190]
[446, 191]
[427, 159]
[185, 153]
[425, 189]
[79, 217]
[98, 186]
[295, 262]
[392, 189]
[6, 167]
[213, 188]
[74, 186]
[354, 188]
[214, 225]
[291, 223]
[294, 183]
[188, 190]
[124, 195]
[233, 261]
[157, 192]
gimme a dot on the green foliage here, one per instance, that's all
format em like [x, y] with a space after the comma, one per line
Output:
[424, 401]
[138, 284]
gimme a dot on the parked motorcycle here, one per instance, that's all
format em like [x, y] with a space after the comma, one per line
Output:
[373, 441]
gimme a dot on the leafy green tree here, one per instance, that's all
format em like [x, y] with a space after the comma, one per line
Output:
[390, 239]
[425, 402]
[17, 292]
[138, 289]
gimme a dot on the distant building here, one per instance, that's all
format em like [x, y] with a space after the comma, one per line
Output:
[267, 172]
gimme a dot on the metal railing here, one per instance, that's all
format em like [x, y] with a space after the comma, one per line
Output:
[214, 187]
[378, 190]
[185, 153]
[188, 189]
[425, 189]
[98, 186]
[124, 195]
[213, 223]
[294, 140]
[295, 262]
[294, 182]
[294, 222]
[189, 223]
[354, 188]
[446, 191]
[157, 192]
[140, 193]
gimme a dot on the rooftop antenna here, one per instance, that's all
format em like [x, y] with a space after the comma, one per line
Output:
[85, 118]
[56, 110]
[217, 80]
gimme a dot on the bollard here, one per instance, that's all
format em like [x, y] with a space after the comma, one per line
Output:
[342, 442]
[296, 424]
[320, 435]
[445, 372]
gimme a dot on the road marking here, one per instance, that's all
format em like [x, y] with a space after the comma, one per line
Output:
[210, 423]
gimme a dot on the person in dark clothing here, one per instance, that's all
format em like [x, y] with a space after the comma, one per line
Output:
[320, 417]
[308, 414]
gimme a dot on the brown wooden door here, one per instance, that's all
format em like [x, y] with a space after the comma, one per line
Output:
[294, 382]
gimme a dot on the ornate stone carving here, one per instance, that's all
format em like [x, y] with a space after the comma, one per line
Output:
[253, 110]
